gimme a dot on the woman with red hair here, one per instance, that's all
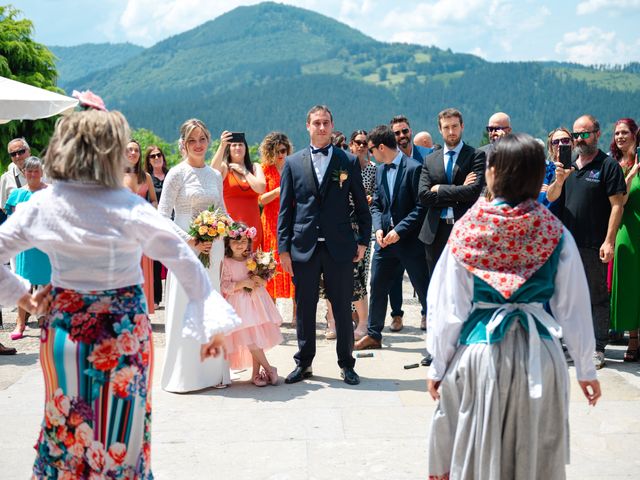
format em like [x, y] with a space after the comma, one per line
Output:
[625, 303]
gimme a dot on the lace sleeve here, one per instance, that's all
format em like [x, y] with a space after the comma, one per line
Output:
[173, 183]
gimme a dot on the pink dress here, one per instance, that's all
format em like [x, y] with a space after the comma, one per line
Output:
[260, 327]
[147, 264]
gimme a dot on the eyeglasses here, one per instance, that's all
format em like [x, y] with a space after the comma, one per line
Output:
[360, 143]
[582, 135]
[154, 155]
[404, 131]
[282, 150]
[563, 141]
[491, 129]
[371, 149]
[18, 152]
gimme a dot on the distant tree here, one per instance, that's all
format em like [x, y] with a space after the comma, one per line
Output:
[26, 61]
[382, 73]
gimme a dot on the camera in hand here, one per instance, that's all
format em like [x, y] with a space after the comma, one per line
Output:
[565, 155]
[237, 137]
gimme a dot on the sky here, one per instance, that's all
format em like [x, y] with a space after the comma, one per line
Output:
[582, 31]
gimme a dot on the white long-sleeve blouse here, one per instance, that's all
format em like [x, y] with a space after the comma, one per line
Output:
[450, 300]
[94, 237]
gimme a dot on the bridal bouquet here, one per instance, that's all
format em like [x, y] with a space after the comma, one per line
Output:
[208, 226]
[262, 264]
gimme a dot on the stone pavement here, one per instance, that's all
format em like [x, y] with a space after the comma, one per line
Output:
[318, 429]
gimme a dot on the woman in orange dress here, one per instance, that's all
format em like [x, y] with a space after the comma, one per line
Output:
[139, 181]
[273, 150]
[243, 182]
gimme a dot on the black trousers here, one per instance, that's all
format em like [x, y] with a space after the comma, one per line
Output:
[434, 249]
[338, 284]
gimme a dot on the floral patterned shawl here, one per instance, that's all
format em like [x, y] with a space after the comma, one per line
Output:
[505, 245]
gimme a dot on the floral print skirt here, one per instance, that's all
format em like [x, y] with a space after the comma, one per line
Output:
[96, 356]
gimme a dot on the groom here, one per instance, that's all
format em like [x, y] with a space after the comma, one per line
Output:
[315, 237]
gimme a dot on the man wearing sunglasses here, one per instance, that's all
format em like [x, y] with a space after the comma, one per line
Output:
[18, 150]
[591, 198]
[403, 133]
[499, 124]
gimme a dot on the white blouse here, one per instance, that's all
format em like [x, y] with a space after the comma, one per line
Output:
[94, 237]
[450, 300]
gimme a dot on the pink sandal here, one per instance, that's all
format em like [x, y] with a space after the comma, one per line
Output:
[273, 375]
[259, 380]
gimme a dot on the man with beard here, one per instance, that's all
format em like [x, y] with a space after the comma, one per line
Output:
[443, 189]
[591, 199]
[403, 133]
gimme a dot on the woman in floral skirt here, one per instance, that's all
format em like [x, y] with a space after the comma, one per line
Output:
[96, 346]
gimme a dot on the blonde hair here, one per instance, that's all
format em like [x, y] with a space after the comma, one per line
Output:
[270, 144]
[88, 146]
[187, 129]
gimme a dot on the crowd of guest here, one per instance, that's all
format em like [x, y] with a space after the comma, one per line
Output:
[590, 197]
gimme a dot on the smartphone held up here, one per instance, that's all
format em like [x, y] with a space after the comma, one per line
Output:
[564, 156]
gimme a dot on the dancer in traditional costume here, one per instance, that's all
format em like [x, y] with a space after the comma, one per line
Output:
[498, 369]
[96, 348]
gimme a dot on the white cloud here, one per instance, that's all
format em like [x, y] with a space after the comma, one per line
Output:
[479, 52]
[592, 6]
[591, 45]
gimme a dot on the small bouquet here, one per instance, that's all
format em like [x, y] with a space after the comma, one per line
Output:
[209, 225]
[262, 264]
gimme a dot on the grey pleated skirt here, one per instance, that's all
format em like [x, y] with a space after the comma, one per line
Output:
[486, 425]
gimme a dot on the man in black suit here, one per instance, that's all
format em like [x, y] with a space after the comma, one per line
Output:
[404, 137]
[397, 217]
[315, 237]
[443, 190]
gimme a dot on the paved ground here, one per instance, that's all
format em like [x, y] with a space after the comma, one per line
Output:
[320, 429]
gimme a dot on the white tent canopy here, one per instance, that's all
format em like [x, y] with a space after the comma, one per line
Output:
[19, 101]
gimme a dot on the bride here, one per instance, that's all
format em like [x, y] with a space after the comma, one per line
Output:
[189, 188]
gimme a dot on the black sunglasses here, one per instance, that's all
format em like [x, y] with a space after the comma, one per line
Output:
[583, 135]
[563, 141]
[283, 150]
[371, 149]
[360, 143]
[155, 155]
[491, 129]
[404, 131]
[17, 152]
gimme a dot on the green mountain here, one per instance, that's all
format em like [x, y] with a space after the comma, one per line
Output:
[81, 60]
[260, 68]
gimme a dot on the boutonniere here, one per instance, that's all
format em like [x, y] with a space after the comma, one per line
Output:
[340, 176]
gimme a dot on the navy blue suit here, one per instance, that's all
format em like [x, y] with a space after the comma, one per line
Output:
[395, 294]
[310, 212]
[404, 214]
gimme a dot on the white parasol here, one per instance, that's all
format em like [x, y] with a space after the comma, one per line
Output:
[19, 101]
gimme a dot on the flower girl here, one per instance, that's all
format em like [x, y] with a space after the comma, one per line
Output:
[260, 320]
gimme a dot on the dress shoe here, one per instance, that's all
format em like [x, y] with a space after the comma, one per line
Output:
[426, 361]
[350, 376]
[298, 374]
[367, 343]
[423, 322]
[396, 323]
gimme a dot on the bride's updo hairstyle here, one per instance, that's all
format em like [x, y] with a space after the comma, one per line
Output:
[187, 128]
[88, 146]
[518, 163]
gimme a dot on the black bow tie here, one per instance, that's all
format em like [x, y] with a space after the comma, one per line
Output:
[387, 166]
[323, 150]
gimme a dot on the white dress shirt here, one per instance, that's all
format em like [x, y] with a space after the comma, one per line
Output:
[8, 182]
[321, 162]
[450, 300]
[95, 236]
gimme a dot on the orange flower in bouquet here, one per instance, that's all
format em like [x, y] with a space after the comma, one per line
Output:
[262, 264]
[208, 226]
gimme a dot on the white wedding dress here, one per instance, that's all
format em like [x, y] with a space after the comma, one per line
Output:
[187, 191]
